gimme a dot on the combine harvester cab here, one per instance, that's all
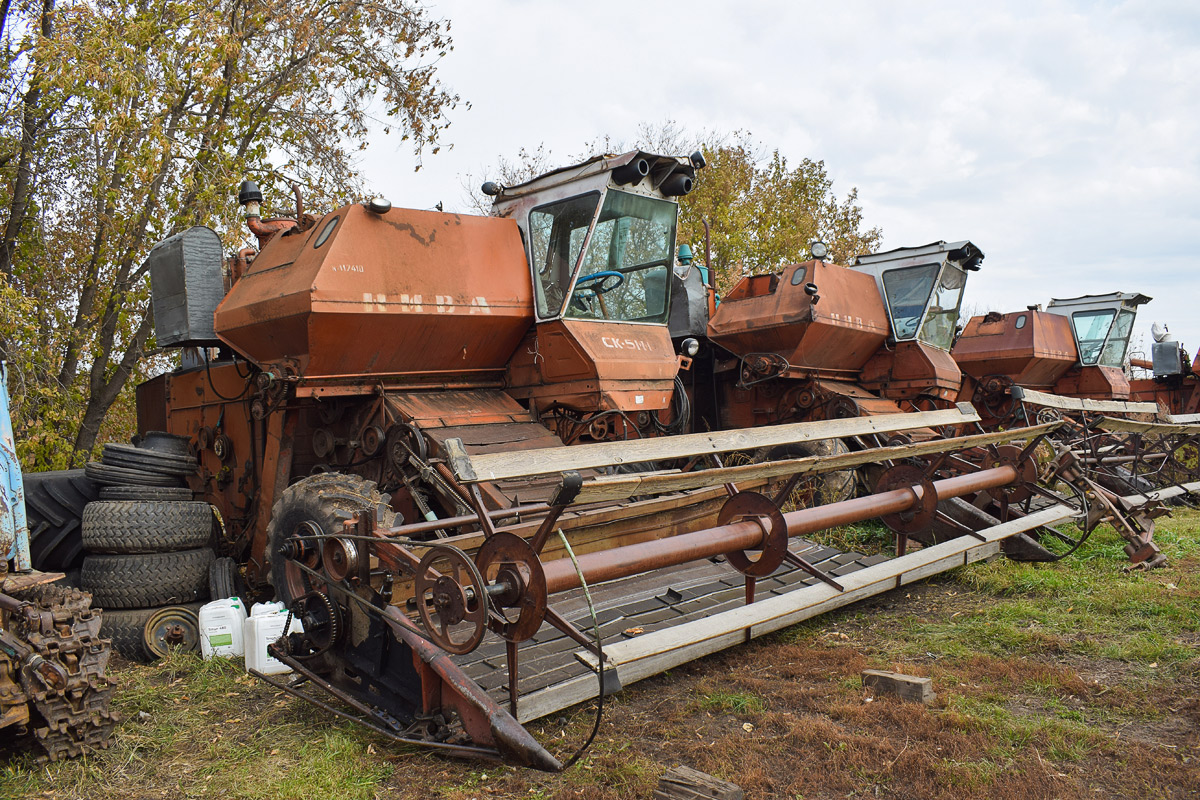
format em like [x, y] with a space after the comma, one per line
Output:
[823, 341]
[1067, 363]
[353, 345]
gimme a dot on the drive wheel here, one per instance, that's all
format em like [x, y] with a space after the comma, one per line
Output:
[314, 506]
[817, 489]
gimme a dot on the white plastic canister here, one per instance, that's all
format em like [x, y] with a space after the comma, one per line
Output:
[263, 608]
[263, 628]
[222, 624]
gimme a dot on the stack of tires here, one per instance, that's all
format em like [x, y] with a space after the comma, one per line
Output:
[149, 547]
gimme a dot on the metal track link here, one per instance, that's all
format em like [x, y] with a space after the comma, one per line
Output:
[75, 718]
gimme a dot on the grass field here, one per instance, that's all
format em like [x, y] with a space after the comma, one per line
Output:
[1066, 680]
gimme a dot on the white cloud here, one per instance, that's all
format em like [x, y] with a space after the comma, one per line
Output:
[1062, 137]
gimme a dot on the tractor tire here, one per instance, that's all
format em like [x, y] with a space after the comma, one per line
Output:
[326, 500]
[224, 581]
[54, 503]
[147, 580]
[148, 460]
[147, 493]
[127, 628]
[146, 526]
[819, 489]
[165, 443]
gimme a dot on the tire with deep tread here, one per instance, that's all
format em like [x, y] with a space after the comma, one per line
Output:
[147, 493]
[223, 579]
[146, 526]
[325, 499]
[147, 580]
[54, 503]
[818, 489]
[127, 627]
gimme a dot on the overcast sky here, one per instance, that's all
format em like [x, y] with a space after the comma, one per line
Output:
[1060, 137]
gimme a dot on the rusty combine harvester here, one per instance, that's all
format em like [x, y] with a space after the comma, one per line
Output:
[1068, 363]
[459, 449]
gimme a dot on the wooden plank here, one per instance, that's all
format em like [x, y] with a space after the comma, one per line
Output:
[1183, 419]
[661, 650]
[685, 783]
[1086, 404]
[620, 487]
[1166, 493]
[499, 466]
[906, 687]
[1132, 426]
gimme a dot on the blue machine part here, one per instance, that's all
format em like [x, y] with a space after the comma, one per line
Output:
[14, 529]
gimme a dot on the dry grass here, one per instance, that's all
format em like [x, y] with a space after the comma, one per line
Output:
[1070, 680]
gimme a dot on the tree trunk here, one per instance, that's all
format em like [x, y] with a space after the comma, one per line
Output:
[32, 127]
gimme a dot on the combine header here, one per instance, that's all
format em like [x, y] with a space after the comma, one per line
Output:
[397, 629]
[1068, 363]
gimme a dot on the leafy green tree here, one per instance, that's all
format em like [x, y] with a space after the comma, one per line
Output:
[130, 120]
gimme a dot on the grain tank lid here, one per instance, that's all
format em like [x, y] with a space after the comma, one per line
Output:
[967, 255]
[186, 285]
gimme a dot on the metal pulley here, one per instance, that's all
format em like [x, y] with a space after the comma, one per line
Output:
[754, 507]
[516, 584]
[452, 599]
[918, 518]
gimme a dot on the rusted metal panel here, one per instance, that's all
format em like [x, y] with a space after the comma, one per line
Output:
[1034, 348]
[444, 409]
[1096, 381]
[775, 314]
[402, 292]
[152, 405]
[587, 364]
[912, 369]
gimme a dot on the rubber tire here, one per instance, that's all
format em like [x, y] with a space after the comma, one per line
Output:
[325, 499]
[147, 580]
[828, 487]
[142, 455]
[54, 503]
[126, 627]
[146, 526]
[177, 493]
[122, 476]
[224, 581]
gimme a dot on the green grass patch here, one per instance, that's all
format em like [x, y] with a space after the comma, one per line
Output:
[735, 702]
[197, 728]
[1063, 740]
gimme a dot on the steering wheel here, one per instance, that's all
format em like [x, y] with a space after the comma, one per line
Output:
[597, 282]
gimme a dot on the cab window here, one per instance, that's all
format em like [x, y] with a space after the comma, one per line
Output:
[942, 318]
[907, 290]
[557, 233]
[1091, 328]
[1118, 340]
[625, 273]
